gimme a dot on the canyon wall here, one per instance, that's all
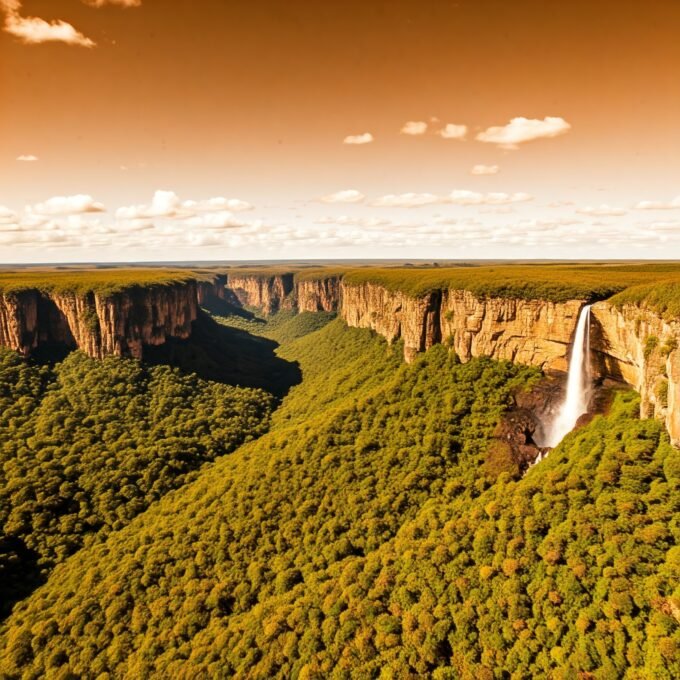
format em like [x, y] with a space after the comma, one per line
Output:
[638, 346]
[267, 293]
[101, 325]
[527, 331]
[318, 295]
[394, 315]
[631, 344]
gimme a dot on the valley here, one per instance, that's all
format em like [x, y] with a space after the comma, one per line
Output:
[317, 473]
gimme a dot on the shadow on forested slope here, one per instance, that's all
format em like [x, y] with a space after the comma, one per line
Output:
[228, 355]
[219, 307]
[19, 573]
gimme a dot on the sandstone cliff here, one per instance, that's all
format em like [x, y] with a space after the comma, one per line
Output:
[267, 293]
[101, 325]
[527, 331]
[394, 315]
[631, 344]
[637, 346]
[212, 289]
[318, 295]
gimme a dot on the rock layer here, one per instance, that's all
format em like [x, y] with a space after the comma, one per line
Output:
[533, 332]
[269, 294]
[318, 295]
[100, 325]
[638, 346]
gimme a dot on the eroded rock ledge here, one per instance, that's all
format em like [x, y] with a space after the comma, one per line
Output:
[101, 325]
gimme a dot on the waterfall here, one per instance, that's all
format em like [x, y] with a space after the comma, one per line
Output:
[578, 383]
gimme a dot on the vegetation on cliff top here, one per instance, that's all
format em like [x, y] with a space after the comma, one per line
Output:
[101, 281]
[557, 283]
[662, 297]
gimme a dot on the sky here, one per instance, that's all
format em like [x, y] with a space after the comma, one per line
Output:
[136, 130]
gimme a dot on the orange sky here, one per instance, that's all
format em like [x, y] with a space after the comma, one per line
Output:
[252, 101]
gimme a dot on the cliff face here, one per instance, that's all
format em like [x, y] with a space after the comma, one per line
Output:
[393, 315]
[322, 295]
[119, 324]
[210, 290]
[631, 344]
[535, 332]
[527, 331]
[637, 346]
[269, 294]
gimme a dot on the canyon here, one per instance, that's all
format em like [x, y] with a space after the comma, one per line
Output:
[629, 344]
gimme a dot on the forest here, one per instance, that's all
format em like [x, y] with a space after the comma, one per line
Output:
[359, 527]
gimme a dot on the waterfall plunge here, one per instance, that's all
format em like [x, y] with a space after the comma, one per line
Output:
[578, 383]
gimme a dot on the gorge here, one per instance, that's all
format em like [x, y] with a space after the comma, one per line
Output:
[629, 343]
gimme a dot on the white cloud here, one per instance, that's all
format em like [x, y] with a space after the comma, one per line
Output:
[215, 220]
[66, 205]
[167, 205]
[520, 130]
[34, 30]
[27, 158]
[345, 196]
[456, 197]
[345, 220]
[465, 197]
[219, 203]
[120, 3]
[7, 216]
[414, 127]
[485, 169]
[365, 138]
[407, 200]
[451, 131]
[603, 210]
[659, 205]
[136, 224]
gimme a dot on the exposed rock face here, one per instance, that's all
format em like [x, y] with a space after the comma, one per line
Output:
[209, 290]
[394, 315]
[535, 332]
[269, 294]
[526, 331]
[318, 295]
[638, 346]
[632, 344]
[119, 324]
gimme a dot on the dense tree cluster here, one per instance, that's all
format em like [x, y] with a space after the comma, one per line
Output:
[87, 446]
[361, 538]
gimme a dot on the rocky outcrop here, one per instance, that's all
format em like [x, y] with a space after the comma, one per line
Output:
[267, 293]
[394, 315]
[101, 325]
[533, 332]
[638, 346]
[210, 290]
[318, 295]
[28, 319]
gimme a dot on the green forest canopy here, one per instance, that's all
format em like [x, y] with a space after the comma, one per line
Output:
[363, 536]
[559, 282]
[88, 445]
[102, 281]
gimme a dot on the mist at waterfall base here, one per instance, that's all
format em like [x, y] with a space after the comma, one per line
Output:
[579, 385]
